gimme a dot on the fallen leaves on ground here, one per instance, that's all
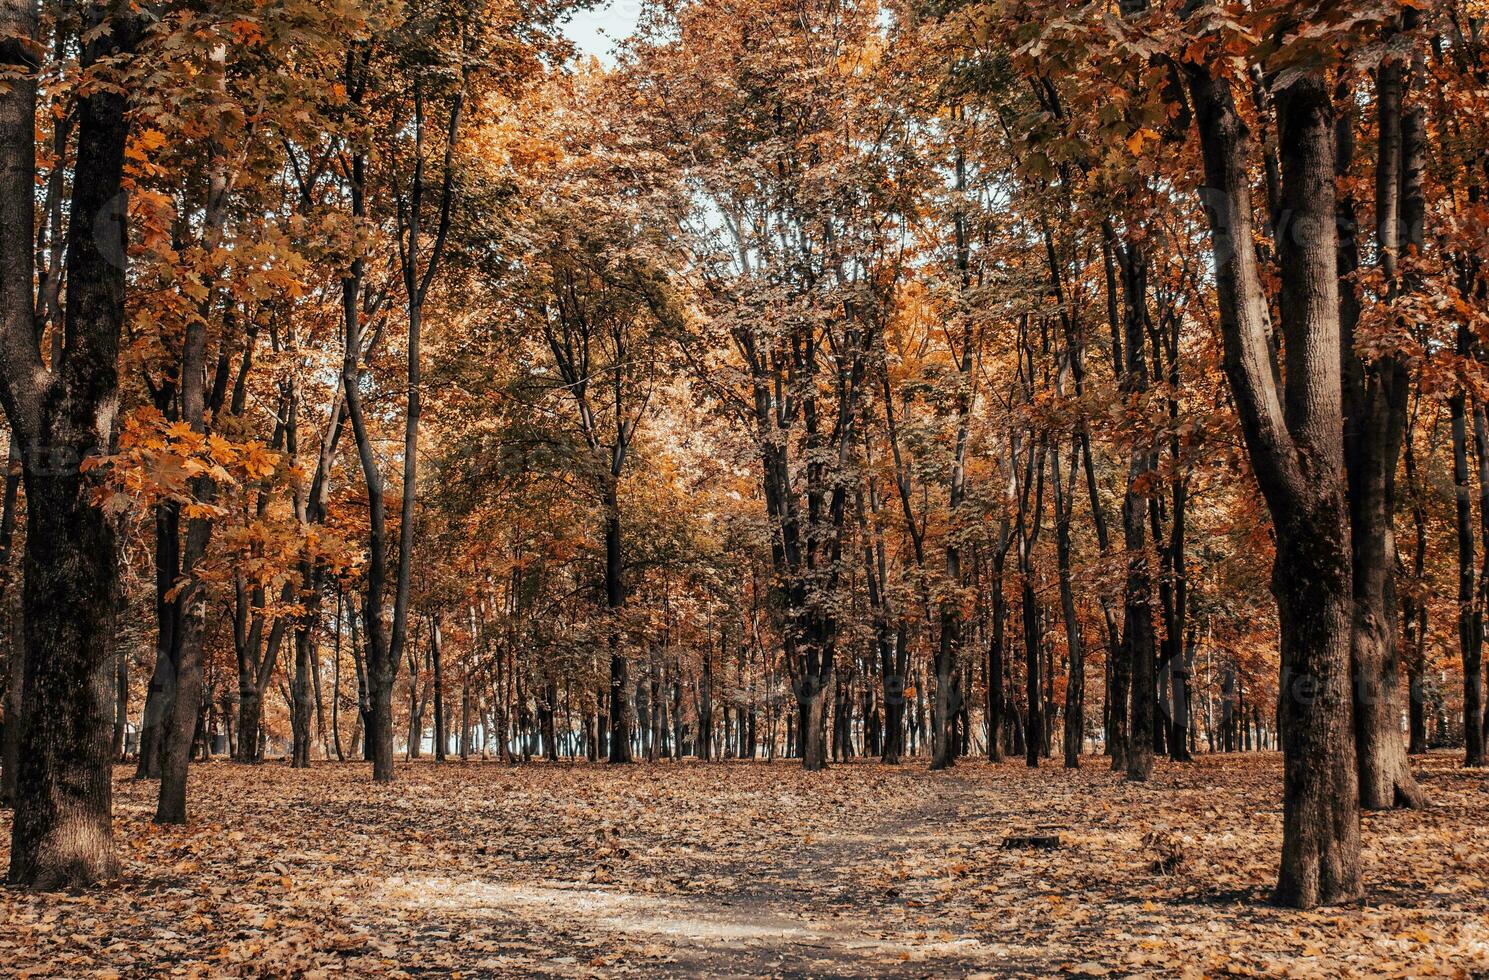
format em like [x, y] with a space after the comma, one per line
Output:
[753, 868]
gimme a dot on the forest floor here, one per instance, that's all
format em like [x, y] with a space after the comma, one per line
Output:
[753, 869]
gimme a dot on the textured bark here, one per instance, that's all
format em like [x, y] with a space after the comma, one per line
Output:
[1295, 441]
[1180, 727]
[13, 643]
[812, 727]
[62, 835]
[180, 725]
[1374, 401]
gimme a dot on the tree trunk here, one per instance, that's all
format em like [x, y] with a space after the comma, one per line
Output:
[615, 597]
[61, 835]
[10, 736]
[1075, 675]
[1375, 397]
[1180, 731]
[812, 726]
[995, 699]
[301, 703]
[1414, 607]
[161, 694]
[1470, 618]
[181, 723]
[436, 663]
[704, 747]
[1295, 441]
[1137, 632]
[1034, 720]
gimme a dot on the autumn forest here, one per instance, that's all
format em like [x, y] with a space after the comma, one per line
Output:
[817, 487]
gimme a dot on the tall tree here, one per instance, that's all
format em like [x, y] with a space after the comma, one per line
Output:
[63, 412]
[1294, 436]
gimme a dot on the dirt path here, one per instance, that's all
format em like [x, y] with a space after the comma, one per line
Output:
[735, 912]
[760, 916]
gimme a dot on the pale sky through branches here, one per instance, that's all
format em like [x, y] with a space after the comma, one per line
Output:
[598, 30]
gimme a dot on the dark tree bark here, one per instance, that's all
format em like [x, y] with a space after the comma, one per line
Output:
[1295, 440]
[949, 702]
[10, 734]
[436, 663]
[1470, 616]
[995, 701]
[1375, 399]
[301, 699]
[161, 693]
[1075, 677]
[62, 413]
[419, 262]
[1029, 527]
[1137, 633]
[621, 714]
[1414, 610]
[704, 747]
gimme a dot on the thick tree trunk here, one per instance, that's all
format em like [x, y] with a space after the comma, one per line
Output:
[893, 665]
[62, 835]
[1295, 441]
[10, 736]
[812, 727]
[947, 696]
[250, 715]
[11, 643]
[1180, 730]
[1313, 575]
[1321, 829]
[379, 733]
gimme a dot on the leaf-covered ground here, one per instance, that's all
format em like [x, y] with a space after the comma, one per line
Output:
[753, 869]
